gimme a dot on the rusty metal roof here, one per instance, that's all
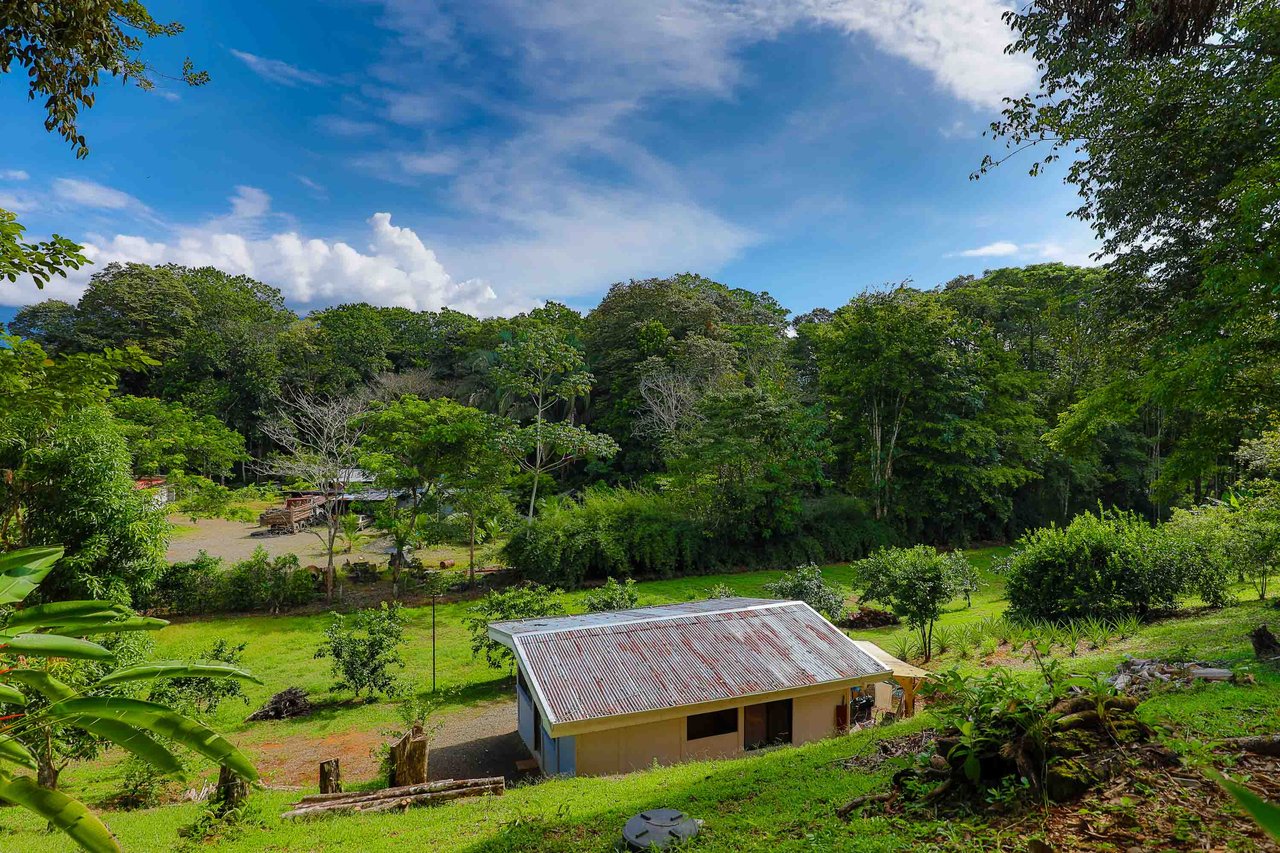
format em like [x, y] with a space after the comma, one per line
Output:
[629, 662]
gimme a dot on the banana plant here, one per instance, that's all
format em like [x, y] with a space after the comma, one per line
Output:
[59, 630]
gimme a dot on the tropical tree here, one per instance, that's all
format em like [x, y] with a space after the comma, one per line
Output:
[58, 630]
[542, 372]
[165, 437]
[915, 582]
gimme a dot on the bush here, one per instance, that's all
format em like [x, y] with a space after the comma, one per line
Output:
[188, 588]
[612, 596]
[806, 584]
[364, 646]
[266, 583]
[1110, 565]
[615, 532]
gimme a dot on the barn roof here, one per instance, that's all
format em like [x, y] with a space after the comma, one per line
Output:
[592, 671]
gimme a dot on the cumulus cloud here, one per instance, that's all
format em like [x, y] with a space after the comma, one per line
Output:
[1000, 248]
[278, 71]
[394, 267]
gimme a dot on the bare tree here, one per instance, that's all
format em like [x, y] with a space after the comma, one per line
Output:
[318, 439]
[670, 402]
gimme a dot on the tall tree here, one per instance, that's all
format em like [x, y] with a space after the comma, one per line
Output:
[541, 374]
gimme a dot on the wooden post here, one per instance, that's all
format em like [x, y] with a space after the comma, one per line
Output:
[230, 793]
[908, 696]
[409, 758]
[330, 777]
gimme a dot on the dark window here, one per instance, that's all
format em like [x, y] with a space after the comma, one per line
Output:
[537, 730]
[520, 680]
[715, 723]
[767, 724]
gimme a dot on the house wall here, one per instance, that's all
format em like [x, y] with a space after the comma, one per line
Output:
[524, 717]
[638, 747]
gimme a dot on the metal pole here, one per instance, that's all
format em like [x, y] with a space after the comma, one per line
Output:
[433, 643]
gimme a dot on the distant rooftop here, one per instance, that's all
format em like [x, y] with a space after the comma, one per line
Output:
[615, 664]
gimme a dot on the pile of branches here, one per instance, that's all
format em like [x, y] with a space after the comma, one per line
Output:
[1002, 740]
[868, 617]
[290, 702]
[395, 799]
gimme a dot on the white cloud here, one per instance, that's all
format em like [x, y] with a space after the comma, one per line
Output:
[317, 188]
[343, 126]
[13, 175]
[18, 202]
[435, 163]
[278, 71]
[998, 249]
[92, 194]
[394, 268]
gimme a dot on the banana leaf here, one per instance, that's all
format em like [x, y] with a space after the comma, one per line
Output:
[54, 646]
[63, 613]
[11, 750]
[11, 695]
[21, 571]
[132, 623]
[84, 712]
[41, 682]
[68, 815]
[177, 669]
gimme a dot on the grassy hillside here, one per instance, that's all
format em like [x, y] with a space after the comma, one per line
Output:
[781, 800]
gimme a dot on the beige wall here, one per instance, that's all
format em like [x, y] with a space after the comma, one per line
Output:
[637, 747]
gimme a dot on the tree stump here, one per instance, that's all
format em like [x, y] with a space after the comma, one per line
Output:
[230, 792]
[1265, 645]
[409, 758]
[330, 777]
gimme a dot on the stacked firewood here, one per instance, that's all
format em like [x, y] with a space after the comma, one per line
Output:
[396, 799]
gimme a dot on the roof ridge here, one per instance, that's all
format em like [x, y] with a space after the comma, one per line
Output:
[771, 604]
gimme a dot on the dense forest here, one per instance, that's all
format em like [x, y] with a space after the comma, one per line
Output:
[971, 411]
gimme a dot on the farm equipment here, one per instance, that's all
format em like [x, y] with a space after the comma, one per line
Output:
[296, 514]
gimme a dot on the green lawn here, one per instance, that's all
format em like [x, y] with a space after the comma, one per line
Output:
[782, 800]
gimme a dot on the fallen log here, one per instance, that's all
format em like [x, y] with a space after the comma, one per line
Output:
[1256, 744]
[392, 799]
[402, 791]
[858, 802]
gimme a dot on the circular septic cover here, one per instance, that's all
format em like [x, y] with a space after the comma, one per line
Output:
[658, 829]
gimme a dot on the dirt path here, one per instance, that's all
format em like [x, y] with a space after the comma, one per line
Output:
[474, 742]
[232, 541]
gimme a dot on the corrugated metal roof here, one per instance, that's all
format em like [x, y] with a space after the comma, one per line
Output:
[504, 631]
[630, 662]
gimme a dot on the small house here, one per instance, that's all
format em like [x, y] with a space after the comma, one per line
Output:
[603, 693]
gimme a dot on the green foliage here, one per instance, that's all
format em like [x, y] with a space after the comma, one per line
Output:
[806, 584]
[364, 646]
[1109, 565]
[41, 261]
[526, 601]
[268, 583]
[165, 437]
[916, 583]
[632, 532]
[612, 596]
[53, 709]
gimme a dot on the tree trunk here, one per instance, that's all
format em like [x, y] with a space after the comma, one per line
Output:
[230, 793]
[330, 777]
[472, 571]
[46, 772]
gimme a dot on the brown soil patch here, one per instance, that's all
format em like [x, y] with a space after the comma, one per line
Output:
[473, 742]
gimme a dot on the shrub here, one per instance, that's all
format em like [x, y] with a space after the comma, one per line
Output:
[612, 596]
[915, 583]
[266, 583]
[806, 584]
[527, 601]
[1109, 565]
[188, 587]
[364, 646]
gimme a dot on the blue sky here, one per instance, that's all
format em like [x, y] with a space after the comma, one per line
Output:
[491, 154]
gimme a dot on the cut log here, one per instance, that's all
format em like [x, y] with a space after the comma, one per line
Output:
[330, 777]
[1265, 644]
[392, 799]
